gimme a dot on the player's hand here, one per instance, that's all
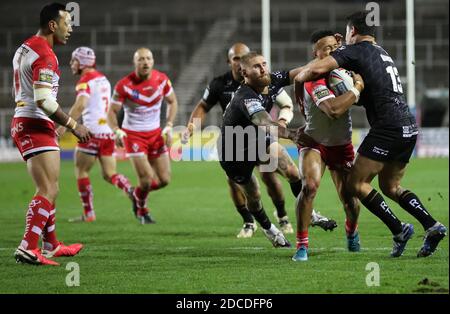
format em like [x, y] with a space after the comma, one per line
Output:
[302, 138]
[82, 133]
[358, 80]
[167, 134]
[60, 131]
[119, 135]
[339, 38]
[282, 122]
[185, 136]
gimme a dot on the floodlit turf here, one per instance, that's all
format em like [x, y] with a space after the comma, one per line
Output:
[193, 247]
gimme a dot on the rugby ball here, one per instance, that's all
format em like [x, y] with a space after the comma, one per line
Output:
[340, 81]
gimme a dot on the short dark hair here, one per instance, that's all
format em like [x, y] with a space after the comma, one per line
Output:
[245, 59]
[358, 21]
[319, 34]
[50, 12]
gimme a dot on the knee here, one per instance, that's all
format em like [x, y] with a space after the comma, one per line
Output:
[390, 190]
[164, 181]
[310, 187]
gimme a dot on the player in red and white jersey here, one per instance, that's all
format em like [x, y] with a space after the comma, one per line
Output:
[331, 129]
[142, 93]
[36, 76]
[93, 92]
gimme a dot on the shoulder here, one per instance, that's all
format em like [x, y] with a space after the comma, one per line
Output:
[159, 76]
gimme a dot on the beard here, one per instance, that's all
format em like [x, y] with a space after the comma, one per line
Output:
[264, 80]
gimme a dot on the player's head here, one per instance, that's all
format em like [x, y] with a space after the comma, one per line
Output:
[82, 58]
[323, 43]
[255, 70]
[234, 56]
[56, 20]
[357, 25]
[143, 62]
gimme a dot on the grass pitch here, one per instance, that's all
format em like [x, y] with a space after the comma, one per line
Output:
[193, 247]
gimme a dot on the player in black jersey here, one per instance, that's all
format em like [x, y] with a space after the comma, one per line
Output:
[245, 142]
[386, 150]
[220, 91]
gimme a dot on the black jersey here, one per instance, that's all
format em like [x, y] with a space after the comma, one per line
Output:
[382, 96]
[220, 90]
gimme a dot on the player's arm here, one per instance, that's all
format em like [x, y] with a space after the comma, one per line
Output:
[111, 119]
[76, 110]
[310, 72]
[335, 107]
[172, 109]
[286, 113]
[45, 101]
[263, 119]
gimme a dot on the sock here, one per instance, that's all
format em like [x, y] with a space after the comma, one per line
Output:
[49, 234]
[86, 195]
[245, 214]
[120, 181]
[36, 219]
[281, 210]
[141, 198]
[350, 228]
[411, 203]
[302, 239]
[261, 217]
[377, 205]
[296, 187]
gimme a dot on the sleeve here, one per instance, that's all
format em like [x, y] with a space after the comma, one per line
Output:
[211, 94]
[168, 89]
[44, 69]
[346, 56]
[318, 91]
[119, 95]
[82, 89]
[250, 106]
[280, 79]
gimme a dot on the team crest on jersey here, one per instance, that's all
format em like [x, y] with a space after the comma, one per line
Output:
[46, 76]
[135, 147]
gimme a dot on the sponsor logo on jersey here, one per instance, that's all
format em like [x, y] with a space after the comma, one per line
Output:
[26, 143]
[81, 86]
[17, 128]
[135, 94]
[46, 76]
[253, 105]
[380, 151]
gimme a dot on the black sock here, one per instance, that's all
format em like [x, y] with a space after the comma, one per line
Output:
[411, 203]
[245, 214]
[296, 187]
[281, 210]
[377, 205]
[261, 217]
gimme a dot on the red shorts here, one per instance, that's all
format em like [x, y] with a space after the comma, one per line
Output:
[33, 136]
[149, 143]
[335, 157]
[99, 145]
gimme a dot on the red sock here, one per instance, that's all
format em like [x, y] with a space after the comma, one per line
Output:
[49, 234]
[141, 197]
[36, 219]
[86, 195]
[120, 181]
[350, 227]
[302, 239]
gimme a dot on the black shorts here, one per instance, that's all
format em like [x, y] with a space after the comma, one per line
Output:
[239, 171]
[388, 145]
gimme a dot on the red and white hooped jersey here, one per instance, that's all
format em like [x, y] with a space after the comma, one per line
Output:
[325, 131]
[96, 86]
[142, 100]
[34, 63]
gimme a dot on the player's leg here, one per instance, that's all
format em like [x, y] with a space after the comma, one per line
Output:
[240, 202]
[311, 171]
[275, 191]
[389, 180]
[351, 208]
[359, 184]
[145, 176]
[252, 192]
[83, 165]
[162, 171]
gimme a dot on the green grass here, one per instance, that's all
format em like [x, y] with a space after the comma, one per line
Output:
[193, 247]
